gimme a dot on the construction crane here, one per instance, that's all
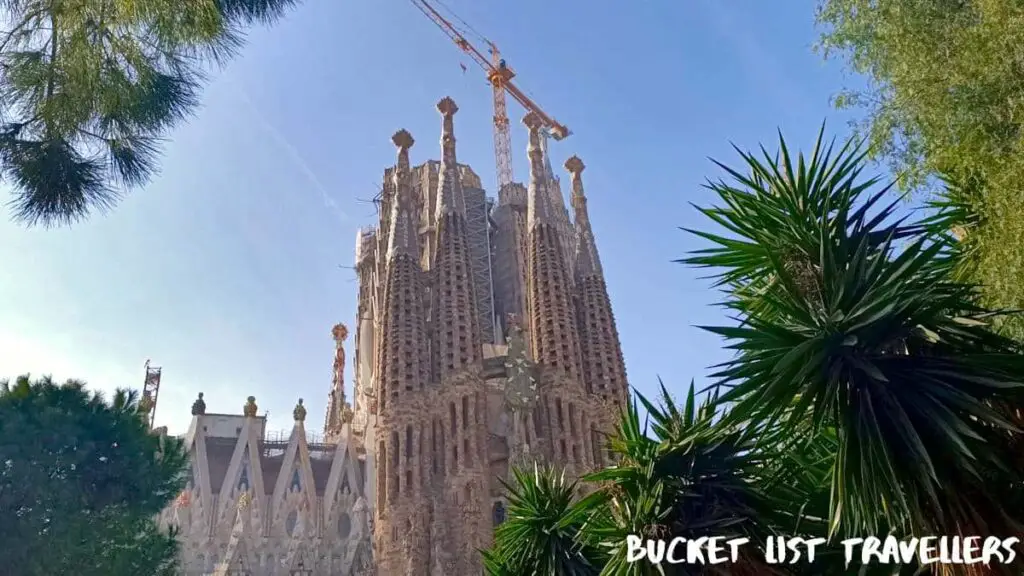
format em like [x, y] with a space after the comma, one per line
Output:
[150, 392]
[500, 76]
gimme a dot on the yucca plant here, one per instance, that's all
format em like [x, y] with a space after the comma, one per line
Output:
[684, 473]
[850, 321]
[541, 535]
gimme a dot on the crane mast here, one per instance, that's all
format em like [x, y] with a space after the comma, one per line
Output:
[500, 76]
[150, 392]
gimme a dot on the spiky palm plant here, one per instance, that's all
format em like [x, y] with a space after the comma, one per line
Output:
[850, 320]
[89, 87]
[541, 535]
[685, 473]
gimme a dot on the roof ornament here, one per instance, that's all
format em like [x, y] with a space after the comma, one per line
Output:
[199, 406]
[250, 408]
[300, 412]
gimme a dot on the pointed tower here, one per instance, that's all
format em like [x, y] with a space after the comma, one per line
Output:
[460, 403]
[457, 328]
[404, 371]
[562, 415]
[552, 326]
[403, 363]
[338, 410]
[564, 226]
[604, 370]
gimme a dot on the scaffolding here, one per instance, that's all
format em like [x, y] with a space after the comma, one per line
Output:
[151, 391]
[478, 231]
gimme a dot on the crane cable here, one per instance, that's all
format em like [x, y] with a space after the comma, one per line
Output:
[468, 27]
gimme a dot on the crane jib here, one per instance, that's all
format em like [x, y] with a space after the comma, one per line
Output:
[500, 75]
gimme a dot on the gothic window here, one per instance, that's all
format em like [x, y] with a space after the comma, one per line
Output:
[243, 480]
[344, 526]
[291, 522]
[296, 482]
[498, 513]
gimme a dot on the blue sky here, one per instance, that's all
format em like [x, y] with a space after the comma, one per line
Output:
[226, 270]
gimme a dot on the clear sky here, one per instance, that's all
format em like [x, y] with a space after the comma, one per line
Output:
[227, 270]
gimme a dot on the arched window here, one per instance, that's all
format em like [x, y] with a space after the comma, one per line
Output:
[498, 513]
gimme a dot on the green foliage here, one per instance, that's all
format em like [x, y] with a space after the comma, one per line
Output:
[541, 534]
[81, 481]
[841, 329]
[88, 89]
[868, 393]
[945, 97]
[698, 476]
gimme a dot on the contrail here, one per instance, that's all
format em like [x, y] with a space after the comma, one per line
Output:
[294, 154]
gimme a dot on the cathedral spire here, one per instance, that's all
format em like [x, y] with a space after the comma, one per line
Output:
[459, 343]
[587, 260]
[540, 208]
[403, 219]
[403, 362]
[450, 197]
[336, 404]
[603, 367]
[554, 339]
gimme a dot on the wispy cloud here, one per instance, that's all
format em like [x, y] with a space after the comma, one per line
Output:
[294, 155]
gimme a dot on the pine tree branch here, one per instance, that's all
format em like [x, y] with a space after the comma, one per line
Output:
[21, 25]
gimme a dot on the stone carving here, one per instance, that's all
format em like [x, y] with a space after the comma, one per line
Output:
[359, 514]
[184, 499]
[362, 564]
[521, 384]
[418, 346]
[299, 413]
[199, 406]
[340, 333]
[250, 408]
[244, 501]
[336, 404]
[409, 553]
[212, 515]
[441, 557]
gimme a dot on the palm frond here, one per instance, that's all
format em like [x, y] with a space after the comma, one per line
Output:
[849, 316]
[541, 534]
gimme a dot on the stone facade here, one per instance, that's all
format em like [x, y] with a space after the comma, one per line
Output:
[484, 339]
[476, 348]
[261, 505]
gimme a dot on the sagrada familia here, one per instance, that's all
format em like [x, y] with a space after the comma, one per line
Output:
[484, 340]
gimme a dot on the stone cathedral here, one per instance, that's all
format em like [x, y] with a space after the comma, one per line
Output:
[484, 339]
